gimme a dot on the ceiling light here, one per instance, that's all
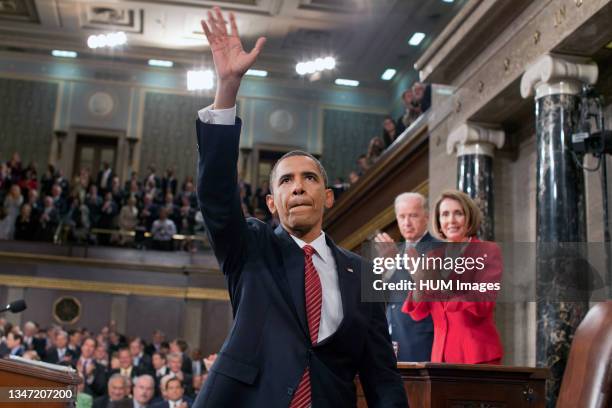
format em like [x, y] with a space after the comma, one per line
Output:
[200, 80]
[388, 74]
[346, 82]
[416, 39]
[329, 62]
[257, 73]
[317, 65]
[107, 40]
[64, 54]
[161, 63]
[448, 1]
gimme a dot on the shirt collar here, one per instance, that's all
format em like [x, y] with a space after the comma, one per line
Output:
[416, 241]
[319, 244]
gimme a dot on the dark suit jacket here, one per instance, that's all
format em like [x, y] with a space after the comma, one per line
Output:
[268, 347]
[52, 355]
[98, 385]
[165, 404]
[414, 338]
[103, 402]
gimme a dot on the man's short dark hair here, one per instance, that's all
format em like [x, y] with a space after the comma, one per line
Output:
[17, 336]
[297, 153]
[180, 383]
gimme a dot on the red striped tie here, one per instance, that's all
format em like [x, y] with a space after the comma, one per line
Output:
[312, 288]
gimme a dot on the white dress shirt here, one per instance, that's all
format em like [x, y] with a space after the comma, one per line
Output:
[323, 259]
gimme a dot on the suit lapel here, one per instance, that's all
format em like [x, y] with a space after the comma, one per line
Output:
[292, 281]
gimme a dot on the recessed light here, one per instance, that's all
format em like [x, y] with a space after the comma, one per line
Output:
[416, 39]
[106, 40]
[161, 63]
[346, 82]
[448, 1]
[200, 80]
[257, 72]
[388, 74]
[64, 54]
[316, 65]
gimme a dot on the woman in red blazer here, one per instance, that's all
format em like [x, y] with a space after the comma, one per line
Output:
[464, 330]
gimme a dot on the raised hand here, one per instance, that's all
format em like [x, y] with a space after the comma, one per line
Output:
[231, 60]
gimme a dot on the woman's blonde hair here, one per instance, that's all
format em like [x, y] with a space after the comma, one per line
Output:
[473, 216]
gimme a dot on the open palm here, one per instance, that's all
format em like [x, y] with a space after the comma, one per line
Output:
[231, 61]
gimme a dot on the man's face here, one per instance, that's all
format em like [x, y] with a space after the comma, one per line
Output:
[116, 390]
[299, 195]
[75, 339]
[135, 348]
[61, 341]
[158, 362]
[87, 348]
[143, 391]
[125, 360]
[174, 391]
[157, 336]
[100, 353]
[411, 219]
[11, 342]
[175, 364]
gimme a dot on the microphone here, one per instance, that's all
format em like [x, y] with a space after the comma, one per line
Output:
[15, 307]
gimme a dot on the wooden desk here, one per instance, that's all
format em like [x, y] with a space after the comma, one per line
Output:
[437, 385]
[17, 374]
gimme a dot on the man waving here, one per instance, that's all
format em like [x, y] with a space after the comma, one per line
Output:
[301, 333]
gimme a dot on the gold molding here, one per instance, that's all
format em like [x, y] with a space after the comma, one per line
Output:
[382, 220]
[103, 263]
[113, 288]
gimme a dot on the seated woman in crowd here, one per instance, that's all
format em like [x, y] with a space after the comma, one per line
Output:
[464, 329]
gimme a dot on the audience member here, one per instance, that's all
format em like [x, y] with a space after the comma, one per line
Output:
[143, 391]
[118, 389]
[162, 231]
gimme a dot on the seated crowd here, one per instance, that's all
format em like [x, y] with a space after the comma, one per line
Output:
[417, 100]
[126, 372]
[52, 208]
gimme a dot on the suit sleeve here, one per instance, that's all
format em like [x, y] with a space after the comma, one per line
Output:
[378, 374]
[218, 193]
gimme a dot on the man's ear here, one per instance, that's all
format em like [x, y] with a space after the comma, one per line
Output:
[329, 198]
[270, 203]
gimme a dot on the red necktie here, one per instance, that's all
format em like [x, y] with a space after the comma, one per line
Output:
[313, 296]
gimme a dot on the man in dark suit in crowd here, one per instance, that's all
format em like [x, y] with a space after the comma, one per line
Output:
[175, 396]
[413, 339]
[141, 361]
[180, 346]
[157, 339]
[126, 367]
[105, 178]
[14, 344]
[60, 352]
[93, 372]
[143, 391]
[301, 333]
[117, 397]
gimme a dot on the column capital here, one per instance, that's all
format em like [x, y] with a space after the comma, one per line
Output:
[470, 138]
[554, 74]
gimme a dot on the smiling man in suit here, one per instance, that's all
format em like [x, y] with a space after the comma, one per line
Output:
[301, 333]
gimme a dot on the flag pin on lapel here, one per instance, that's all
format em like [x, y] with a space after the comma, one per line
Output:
[349, 270]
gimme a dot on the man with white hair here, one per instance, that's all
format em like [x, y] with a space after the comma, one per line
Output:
[144, 388]
[414, 339]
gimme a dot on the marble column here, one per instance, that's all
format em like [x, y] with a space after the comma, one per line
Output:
[475, 146]
[560, 208]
